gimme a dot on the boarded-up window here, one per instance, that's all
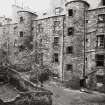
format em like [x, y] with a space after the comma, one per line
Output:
[99, 60]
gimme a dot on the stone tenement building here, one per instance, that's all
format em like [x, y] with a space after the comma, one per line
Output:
[71, 41]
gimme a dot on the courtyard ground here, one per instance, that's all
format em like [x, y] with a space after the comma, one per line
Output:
[65, 96]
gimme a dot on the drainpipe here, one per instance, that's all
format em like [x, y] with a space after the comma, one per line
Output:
[63, 52]
[84, 41]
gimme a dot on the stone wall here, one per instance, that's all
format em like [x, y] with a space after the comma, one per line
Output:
[45, 41]
[76, 40]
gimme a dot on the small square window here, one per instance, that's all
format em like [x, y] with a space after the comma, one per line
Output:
[21, 48]
[69, 50]
[70, 31]
[70, 12]
[21, 33]
[69, 67]
[56, 58]
[56, 40]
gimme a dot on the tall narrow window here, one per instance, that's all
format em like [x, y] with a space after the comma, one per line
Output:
[56, 40]
[21, 33]
[100, 41]
[99, 60]
[70, 12]
[69, 50]
[69, 67]
[70, 31]
[55, 58]
[40, 28]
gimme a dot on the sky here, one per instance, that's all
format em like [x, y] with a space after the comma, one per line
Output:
[35, 5]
